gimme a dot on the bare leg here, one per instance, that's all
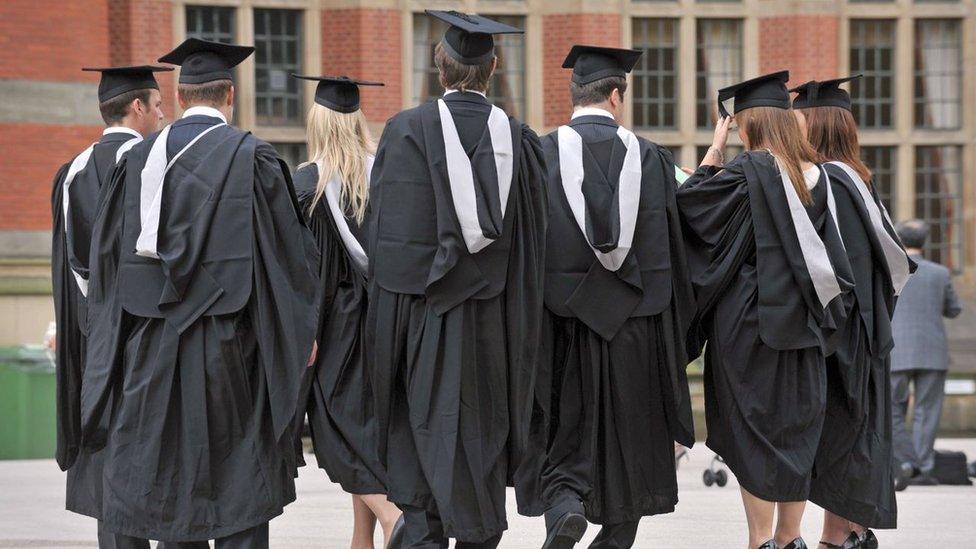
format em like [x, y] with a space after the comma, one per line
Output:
[386, 512]
[363, 524]
[759, 516]
[788, 521]
[836, 529]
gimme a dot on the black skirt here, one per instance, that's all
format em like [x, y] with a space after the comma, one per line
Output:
[610, 441]
[442, 402]
[853, 474]
[764, 407]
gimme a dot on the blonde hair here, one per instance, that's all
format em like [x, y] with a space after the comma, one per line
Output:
[778, 131]
[339, 144]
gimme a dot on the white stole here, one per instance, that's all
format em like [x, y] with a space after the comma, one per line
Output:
[811, 245]
[629, 188]
[461, 177]
[151, 193]
[894, 254]
[333, 195]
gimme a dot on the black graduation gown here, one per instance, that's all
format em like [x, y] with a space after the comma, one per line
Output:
[853, 473]
[614, 341]
[195, 358]
[455, 334]
[70, 251]
[337, 394]
[766, 330]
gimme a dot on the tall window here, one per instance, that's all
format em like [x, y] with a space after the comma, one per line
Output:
[881, 162]
[938, 200]
[507, 87]
[278, 53]
[873, 55]
[210, 23]
[718, 64]
[938, 73]
[655, 77]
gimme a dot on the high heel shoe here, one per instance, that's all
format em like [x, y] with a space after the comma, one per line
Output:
[798, 543]
[868, 540]
[852, 542]
[769, 545]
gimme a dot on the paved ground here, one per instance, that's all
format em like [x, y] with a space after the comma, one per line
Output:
[32, 515]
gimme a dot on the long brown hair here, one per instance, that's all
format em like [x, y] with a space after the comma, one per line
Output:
[833, 133]
[778, 131]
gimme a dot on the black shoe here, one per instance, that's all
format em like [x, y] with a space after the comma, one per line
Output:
[868, 540]
[798, 543]
[769, 545]
[923, 479]
[852, 542]
[396, 535]
[566, 533]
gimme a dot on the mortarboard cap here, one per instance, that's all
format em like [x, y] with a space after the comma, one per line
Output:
[118, 80]
[768, 90]
[592, 63]
[823, 94]
[469, 39]
[339, 93]
[202, 61]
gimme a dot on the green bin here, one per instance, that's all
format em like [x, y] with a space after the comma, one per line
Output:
[27, 404]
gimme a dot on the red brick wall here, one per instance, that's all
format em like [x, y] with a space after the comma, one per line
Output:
[25, 184]
[141, 31]
[365, 43]
[785, 43]
[560, 32]
[52, 43]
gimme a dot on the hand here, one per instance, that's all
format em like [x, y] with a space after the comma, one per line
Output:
[315, 352]
[688, 171]
[721, 136]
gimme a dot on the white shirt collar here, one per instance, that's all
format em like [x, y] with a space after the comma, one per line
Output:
[591, 111]
[482, 94]
[205, 111]
[121, 129]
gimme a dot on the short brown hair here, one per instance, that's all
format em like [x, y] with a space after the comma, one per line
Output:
[213, 94]
[597, 91]
[116, 109]
[458, 76]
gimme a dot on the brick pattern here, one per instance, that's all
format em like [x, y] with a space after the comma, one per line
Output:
[561, 31]
[53, 43]
[140, 32]
[784, 43]
[365, 43]
[33, 154]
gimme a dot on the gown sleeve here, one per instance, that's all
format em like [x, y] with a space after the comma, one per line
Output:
[283, 311]
[718, 235]
[107, 330]
[524, 291]
[68, 346]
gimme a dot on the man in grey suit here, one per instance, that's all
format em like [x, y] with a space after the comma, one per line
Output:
[920, 356]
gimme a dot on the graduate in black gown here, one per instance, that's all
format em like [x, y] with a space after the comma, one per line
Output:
[457, 233]
[853, 476]
[203, 320]
[618, 303]
[337, 396]
[130, 105]
[772, 283]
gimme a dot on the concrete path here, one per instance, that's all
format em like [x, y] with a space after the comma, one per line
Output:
[32, 515]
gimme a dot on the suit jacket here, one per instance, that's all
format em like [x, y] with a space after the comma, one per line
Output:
[918, 328]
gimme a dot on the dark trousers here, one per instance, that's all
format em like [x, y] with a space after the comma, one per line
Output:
[108, 540]
[252, 538]
[422, 529]
[915, 444]
[612, 536]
